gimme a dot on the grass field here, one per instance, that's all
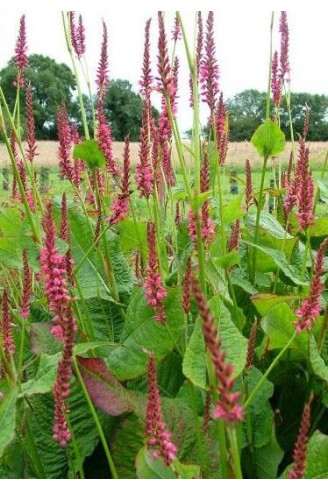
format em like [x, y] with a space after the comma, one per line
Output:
[237, 153]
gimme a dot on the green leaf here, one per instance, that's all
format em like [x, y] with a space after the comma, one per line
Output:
[320, 228]
[142, 334]
[267, 459]
[198, 201]
[323, 190]
[227, 260]
[90, 153]
[44, 380]
[150, 469]
[132, 235]
[259, 413]
[263, 302]
[278, 326]
[7, 415]
[127, 440]
[233, 211]
[104, 390]
[53, 457]
[268, 139]
[233, 343]
[187, 471]
[281, 262]
[318, 365]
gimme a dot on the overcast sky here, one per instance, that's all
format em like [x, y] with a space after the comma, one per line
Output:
[242, 38]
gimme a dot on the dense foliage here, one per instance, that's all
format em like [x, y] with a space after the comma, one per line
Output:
[150, 327]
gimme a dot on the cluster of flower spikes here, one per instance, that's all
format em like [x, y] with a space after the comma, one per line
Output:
[310, 307]
[227, 407]
[300, 189]
[77, 32]
[158, 436]
[280, 68]
[155, 291]
[207, 224]
[54, 272]
[6, 334]
[120, 207]
[21, 59]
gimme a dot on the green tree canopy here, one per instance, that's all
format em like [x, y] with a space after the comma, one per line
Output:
[247, 112]
[51, 83]
[123, 108]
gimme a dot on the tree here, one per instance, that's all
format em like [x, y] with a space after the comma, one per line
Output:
[123, 108]
[51, 83]
[247, 111]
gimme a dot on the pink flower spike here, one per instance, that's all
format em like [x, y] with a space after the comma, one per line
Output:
[159, 438]
[6, 336]
[176, 31]
[65, 142]
[21, 59]
[155, 291]
[284, 47]
[32, 149]
[310, 307]
[275, 80]
[300, 451]
[102, 80]
[163, 64]
[27, 287]
[146, 78]
[144, 172]
[209, 68]
[120, 207]
[227, 407]
[104, 136]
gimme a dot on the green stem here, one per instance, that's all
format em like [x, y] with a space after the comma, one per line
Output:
[96, 420]
[199, 437]
[268, 100]
[258, 215]
[223, 449]
[78, 86]
[235, 453]
[268, 371]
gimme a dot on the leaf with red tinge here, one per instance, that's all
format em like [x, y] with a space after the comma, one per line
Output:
[104, 390]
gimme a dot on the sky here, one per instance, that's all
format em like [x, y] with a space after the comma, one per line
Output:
[242, 39]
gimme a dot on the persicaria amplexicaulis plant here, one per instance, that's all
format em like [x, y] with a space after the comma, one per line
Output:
[152, 322]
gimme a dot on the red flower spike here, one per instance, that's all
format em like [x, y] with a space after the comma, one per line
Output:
[186, 287]
[209, 68]
[65, 142]
[284, 47]
[102, 80]
[146, 78]
[21, 59]
[27, 287]
[159, 437]
[120, 207]
[310, 307]
[300, 451]
[144, 172]
[163, 63]
[32, 149]
[155, 291]
[104, 136]
[227, 407]
[8, 344]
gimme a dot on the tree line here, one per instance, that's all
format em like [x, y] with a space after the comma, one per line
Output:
[54, 82]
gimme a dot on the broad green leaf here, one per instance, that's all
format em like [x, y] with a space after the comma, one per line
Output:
[320, 228]
[259, 412]
[150, 469]
[267, 459]
[127, 440]
[228, 260]
[263, 302]
[132, 236]
[104, 318]
[42, 341]
[318, 365]
[187, 471]
[323, 190]
[142, 334]
[90, 153]
[278, 326]
[268, 139]
[198, 201]
[53, 457]
[281, 262]
[233, 211]
[104, 390]
[233, 343]
[44, 380]
[7, 415]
